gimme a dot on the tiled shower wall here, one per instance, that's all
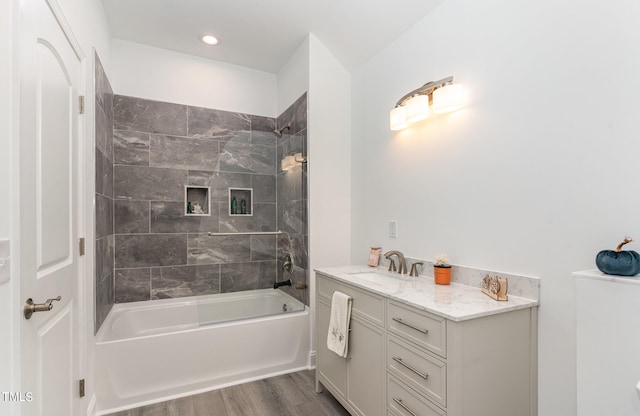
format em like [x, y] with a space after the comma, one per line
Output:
[104, 244]
[159, 252]
[292, 198]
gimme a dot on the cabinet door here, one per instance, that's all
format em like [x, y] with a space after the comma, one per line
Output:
[331, 367]
[366, 369]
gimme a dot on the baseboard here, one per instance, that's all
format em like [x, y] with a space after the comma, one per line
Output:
[312, 359]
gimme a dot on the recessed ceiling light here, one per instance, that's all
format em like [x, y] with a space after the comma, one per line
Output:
[209, 39]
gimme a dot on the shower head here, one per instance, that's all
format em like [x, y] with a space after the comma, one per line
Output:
[278, 132]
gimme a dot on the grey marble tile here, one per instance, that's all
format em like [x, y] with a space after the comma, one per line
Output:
[264, 188]
[137, 114]
[291, 217]
[263, 219]
[263, 247]
[183, 152]
[104, 133]
[104, 252]
[286, 119]
[132, 285]
[297, 246]
[218, 124]
[205, 249]
[299, 280]
[104, 300]
[148, 250]
[104, 175]
[262, 130]
[103, 90]
[261, 123]
[247, 276]
[169, 217]
[220, 182]
[238, 157]
[104, 216]
[180, 281]
[148, 183]
[291, 186]
[300, 113]
[131, 217]
[200, 177]
[130, 148]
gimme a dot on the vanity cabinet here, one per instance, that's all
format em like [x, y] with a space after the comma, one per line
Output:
[357, 381]
[405, 361]
[478, 367]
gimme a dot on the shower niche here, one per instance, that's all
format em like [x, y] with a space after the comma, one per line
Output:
[197, 201]
[240, 201]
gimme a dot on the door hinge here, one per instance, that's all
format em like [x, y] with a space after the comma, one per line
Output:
[81, 246]
[81, 387]
[81, 104]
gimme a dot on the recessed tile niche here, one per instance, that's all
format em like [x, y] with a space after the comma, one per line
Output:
[197, 201]
[240, 201]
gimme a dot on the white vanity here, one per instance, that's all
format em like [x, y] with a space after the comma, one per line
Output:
[420, 349]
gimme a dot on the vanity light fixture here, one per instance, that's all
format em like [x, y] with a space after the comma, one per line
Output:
[291, 161]
[209, 39]
[444, 95]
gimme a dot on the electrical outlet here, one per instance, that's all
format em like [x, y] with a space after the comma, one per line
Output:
[393, 229]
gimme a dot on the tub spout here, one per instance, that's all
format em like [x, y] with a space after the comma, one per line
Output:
[285, 283]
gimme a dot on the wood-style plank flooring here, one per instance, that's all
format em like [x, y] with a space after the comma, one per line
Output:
[287, 395]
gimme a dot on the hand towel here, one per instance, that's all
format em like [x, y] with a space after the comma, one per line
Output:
[338, 336]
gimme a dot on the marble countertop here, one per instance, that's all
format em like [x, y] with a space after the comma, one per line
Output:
[456, 302]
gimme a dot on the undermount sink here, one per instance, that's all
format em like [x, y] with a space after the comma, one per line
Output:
[379, 277]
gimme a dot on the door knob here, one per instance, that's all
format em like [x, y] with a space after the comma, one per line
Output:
[30, 307]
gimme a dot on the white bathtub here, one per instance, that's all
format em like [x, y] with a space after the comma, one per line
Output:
[148, 352]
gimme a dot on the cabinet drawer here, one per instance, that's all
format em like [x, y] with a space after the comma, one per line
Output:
[418, 369]
[423, 328]
[365, 304]
[404, 401]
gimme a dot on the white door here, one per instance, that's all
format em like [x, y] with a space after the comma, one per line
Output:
[50, 72]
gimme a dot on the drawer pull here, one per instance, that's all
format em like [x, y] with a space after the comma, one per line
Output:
[399, 361]
[404, 406]
[400, 321]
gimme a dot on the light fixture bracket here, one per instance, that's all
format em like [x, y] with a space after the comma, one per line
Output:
[426, 89]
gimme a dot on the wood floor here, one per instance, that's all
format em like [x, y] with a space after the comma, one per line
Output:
[287, 395]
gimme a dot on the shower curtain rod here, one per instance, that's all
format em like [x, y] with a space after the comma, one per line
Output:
[248, 233]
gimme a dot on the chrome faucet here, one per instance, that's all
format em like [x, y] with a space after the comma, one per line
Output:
[402, 268]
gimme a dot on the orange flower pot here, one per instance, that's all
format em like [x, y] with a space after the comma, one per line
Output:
[442, 275]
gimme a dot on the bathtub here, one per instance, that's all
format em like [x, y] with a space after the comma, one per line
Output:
[147, 352]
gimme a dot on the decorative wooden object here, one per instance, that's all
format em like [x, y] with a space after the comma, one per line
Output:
[374, 256]
[495, 287]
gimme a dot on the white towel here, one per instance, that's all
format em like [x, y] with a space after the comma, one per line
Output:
[338, 336]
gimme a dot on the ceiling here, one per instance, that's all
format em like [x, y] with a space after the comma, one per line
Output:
[263, 34]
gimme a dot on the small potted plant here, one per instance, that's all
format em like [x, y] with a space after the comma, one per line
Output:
[442, 270]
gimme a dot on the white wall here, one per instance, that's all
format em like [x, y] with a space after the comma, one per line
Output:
[534, 176]
[293, 77]
[329, 154]
[158, 74]
[329, 158]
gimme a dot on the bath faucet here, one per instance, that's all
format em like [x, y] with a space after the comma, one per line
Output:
[414, 268]
[402, 268]
[279, 284]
